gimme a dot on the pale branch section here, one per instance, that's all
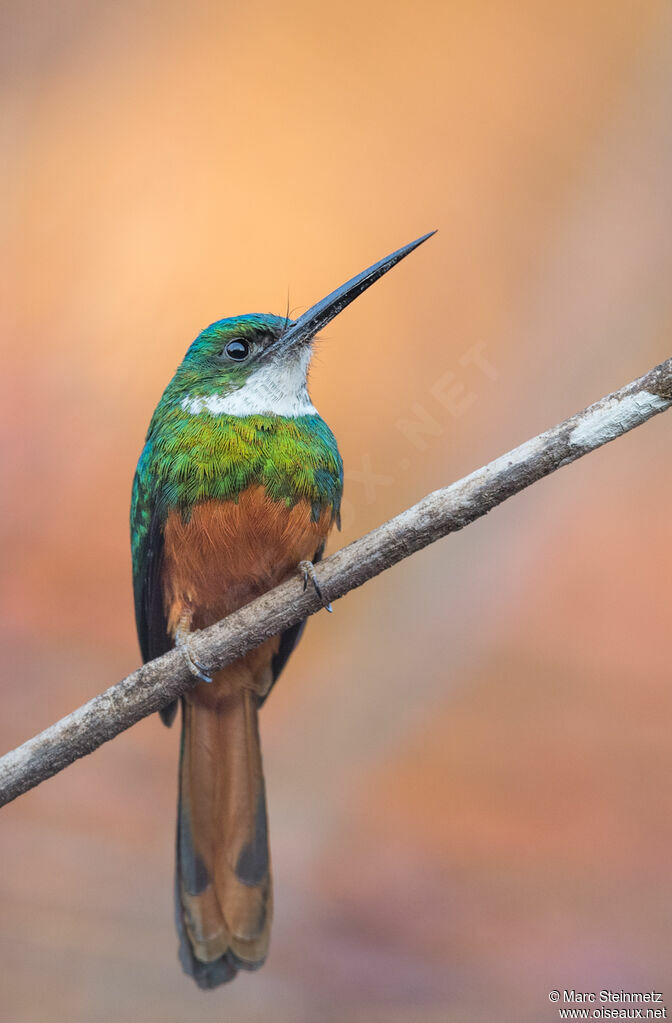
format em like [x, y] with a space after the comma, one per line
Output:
[441, 512]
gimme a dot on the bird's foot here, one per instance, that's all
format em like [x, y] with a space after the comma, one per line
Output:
[307, 570]
[182, 642]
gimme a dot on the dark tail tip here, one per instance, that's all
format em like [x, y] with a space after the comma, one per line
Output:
[206, 975]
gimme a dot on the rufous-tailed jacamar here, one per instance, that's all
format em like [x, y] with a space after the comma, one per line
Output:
[239, 484]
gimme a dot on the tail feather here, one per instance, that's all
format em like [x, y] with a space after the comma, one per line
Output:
[223, 878]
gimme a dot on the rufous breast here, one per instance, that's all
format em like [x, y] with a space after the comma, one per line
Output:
[229, 552]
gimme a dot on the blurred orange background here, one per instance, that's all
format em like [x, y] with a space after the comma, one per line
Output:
[468, 764]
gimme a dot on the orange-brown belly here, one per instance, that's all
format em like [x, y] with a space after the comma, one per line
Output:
[230, 552]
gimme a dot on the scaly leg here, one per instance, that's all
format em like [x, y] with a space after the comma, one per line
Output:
[182, 643]
[307, 570]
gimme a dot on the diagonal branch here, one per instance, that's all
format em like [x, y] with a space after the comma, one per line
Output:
[442, 512]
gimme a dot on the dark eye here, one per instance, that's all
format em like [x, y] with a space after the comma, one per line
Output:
[238, 349]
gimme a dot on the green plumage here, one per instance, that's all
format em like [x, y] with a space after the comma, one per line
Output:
[188, 459]
[192, 457]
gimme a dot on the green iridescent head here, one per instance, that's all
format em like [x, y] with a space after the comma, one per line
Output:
[258, 363]
[240, 366]
[232, 348]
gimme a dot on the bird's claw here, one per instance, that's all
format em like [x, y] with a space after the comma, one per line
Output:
[197, 669]
[307, 570]
[194, 665]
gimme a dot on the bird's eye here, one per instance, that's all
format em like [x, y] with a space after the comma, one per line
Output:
[238, 349]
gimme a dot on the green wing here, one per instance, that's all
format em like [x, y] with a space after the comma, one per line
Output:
[147, 555]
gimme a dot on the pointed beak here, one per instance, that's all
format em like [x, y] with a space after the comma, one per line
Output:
[319, 315]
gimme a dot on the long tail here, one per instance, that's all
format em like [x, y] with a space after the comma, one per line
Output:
[223, 897]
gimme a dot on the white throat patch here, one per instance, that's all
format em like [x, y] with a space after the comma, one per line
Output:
[278, 389]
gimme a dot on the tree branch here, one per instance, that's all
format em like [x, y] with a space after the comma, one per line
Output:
[441, 512]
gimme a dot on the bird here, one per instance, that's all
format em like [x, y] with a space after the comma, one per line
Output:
[236, 489]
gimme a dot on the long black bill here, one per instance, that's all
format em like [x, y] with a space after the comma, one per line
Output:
[319, 315]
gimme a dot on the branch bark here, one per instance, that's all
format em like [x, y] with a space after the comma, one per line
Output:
[441, 512]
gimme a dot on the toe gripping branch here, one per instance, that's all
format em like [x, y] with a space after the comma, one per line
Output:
[182, 642]
[183, 636]
[307, 570]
